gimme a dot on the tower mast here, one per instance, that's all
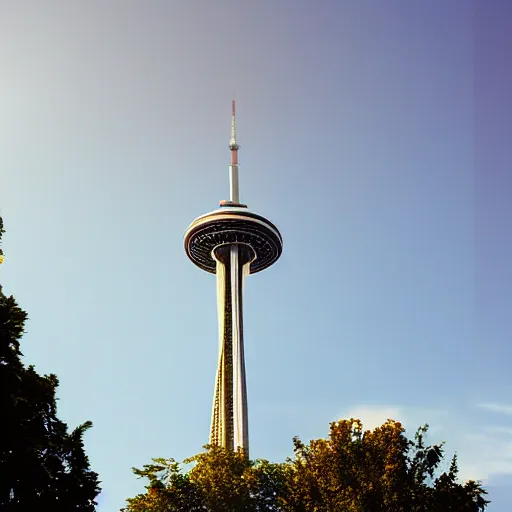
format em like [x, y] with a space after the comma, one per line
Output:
[234, 195]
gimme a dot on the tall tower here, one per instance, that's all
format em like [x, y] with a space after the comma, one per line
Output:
[231, 242]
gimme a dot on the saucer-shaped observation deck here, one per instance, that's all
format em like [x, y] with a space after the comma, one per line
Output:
[233, 225]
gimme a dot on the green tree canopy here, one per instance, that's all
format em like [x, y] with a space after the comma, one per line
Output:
[42, 465]
[351, 471]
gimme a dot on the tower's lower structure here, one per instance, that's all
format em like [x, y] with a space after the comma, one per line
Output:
[232, 243]
[229, 413]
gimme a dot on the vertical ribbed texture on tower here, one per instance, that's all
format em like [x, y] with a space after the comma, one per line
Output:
[229, 426]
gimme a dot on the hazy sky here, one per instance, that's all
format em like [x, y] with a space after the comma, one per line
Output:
[376, 135]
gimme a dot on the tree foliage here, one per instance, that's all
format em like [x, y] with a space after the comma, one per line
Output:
[43, 466]
[351, 471]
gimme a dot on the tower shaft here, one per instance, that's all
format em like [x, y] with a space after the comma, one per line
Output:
[229, 426]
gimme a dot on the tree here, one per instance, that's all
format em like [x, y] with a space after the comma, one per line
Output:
[42, 465]
[373, 471]
[351, 471]
[220, 480]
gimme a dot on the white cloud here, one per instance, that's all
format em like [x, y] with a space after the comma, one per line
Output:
[484, 453]
[500, 408]
[410, 417]
[496, 429]
[374, 416]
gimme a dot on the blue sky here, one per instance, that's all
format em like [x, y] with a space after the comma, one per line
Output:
[376, 135]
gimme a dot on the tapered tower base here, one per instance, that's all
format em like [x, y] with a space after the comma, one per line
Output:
[229, 426]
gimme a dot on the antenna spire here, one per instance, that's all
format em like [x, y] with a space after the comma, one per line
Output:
[233, 168]
[233, 146]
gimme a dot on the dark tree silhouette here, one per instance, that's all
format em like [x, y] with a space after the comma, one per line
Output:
[42, 465]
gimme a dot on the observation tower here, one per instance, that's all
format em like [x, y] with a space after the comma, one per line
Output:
[232, 242]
